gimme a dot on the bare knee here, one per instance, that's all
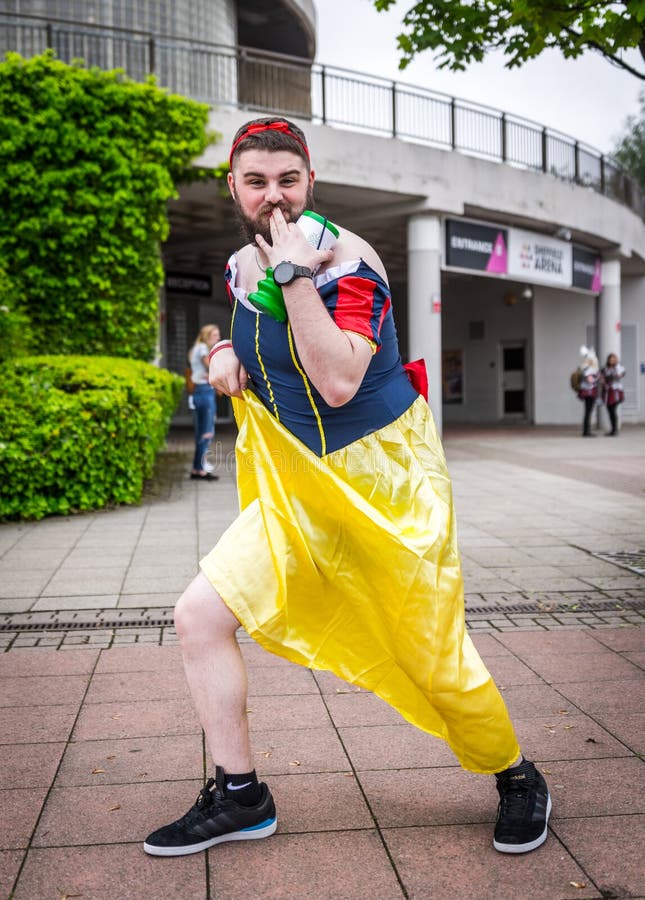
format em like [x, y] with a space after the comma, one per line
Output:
[201, 616]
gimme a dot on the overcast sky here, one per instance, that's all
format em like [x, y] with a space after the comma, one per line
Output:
[587, 98]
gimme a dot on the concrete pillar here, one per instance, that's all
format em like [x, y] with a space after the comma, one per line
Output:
[424, 302]
[609, 312]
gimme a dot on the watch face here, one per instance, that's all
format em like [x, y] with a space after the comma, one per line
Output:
[284, 273]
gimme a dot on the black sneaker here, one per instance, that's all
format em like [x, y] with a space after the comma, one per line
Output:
[213, 819]
[523, 811]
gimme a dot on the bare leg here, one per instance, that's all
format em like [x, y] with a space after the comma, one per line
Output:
[215, 672]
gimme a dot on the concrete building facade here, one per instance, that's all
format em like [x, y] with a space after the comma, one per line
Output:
[502, 260]
[499, 345]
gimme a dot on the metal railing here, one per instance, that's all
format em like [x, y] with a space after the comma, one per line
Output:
[267, 82]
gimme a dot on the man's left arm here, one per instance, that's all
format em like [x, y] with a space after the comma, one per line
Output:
[335, 361]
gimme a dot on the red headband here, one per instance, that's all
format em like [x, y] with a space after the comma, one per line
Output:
[259, 127]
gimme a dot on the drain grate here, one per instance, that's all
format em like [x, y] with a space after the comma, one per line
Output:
[634, 560]
[92, 625]
[21, 624]
[559, 607]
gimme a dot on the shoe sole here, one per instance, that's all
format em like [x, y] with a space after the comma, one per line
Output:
[263, 830]
[531, 845]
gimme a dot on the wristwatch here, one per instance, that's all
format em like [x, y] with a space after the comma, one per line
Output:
[285, 272]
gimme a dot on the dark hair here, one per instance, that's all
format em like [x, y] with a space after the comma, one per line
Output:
[271, 133]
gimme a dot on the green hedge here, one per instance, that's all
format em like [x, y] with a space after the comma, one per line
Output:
[79, 432]
[88, 162]
[16, 334]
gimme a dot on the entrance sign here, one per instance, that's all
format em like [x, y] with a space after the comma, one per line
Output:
[473, 246]
[539, 258]
[587, 270]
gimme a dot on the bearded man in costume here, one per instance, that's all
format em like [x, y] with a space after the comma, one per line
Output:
[344, 556]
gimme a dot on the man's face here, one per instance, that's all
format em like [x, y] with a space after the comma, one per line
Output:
[262, 180]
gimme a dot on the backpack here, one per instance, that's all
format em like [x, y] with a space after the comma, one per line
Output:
[575, 380]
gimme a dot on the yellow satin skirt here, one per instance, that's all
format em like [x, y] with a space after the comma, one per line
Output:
[349, 563]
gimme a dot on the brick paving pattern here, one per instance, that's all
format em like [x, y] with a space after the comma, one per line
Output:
[100, 743]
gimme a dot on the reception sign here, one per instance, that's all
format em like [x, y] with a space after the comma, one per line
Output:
[189, 283]
[538, 258]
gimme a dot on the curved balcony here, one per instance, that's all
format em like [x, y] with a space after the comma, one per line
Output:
[262, 81]
[287, 26]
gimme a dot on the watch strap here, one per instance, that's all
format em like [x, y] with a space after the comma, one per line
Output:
[298, 271]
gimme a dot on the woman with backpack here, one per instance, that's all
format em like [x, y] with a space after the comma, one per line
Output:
[588, 384]
[613, 394]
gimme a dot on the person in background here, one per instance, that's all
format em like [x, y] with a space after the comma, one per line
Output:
[203, 401]
[613, 394]
[588, 389]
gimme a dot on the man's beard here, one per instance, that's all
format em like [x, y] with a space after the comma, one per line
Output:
[261, 224]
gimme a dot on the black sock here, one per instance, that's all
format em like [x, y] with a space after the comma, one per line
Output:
[244, 788]
[515, 766]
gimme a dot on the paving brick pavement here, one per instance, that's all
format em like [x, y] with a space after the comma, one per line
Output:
[100, 743]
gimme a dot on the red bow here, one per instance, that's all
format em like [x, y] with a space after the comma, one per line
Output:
[258, 127]
[418, 375]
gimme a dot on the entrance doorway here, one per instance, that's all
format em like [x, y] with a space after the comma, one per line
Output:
[184, 317]
[512, 386]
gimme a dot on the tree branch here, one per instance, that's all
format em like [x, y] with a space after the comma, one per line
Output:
[578, 7]
[594, 45]
[617, 61]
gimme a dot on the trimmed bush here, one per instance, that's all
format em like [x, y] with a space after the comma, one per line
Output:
[80, 432]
